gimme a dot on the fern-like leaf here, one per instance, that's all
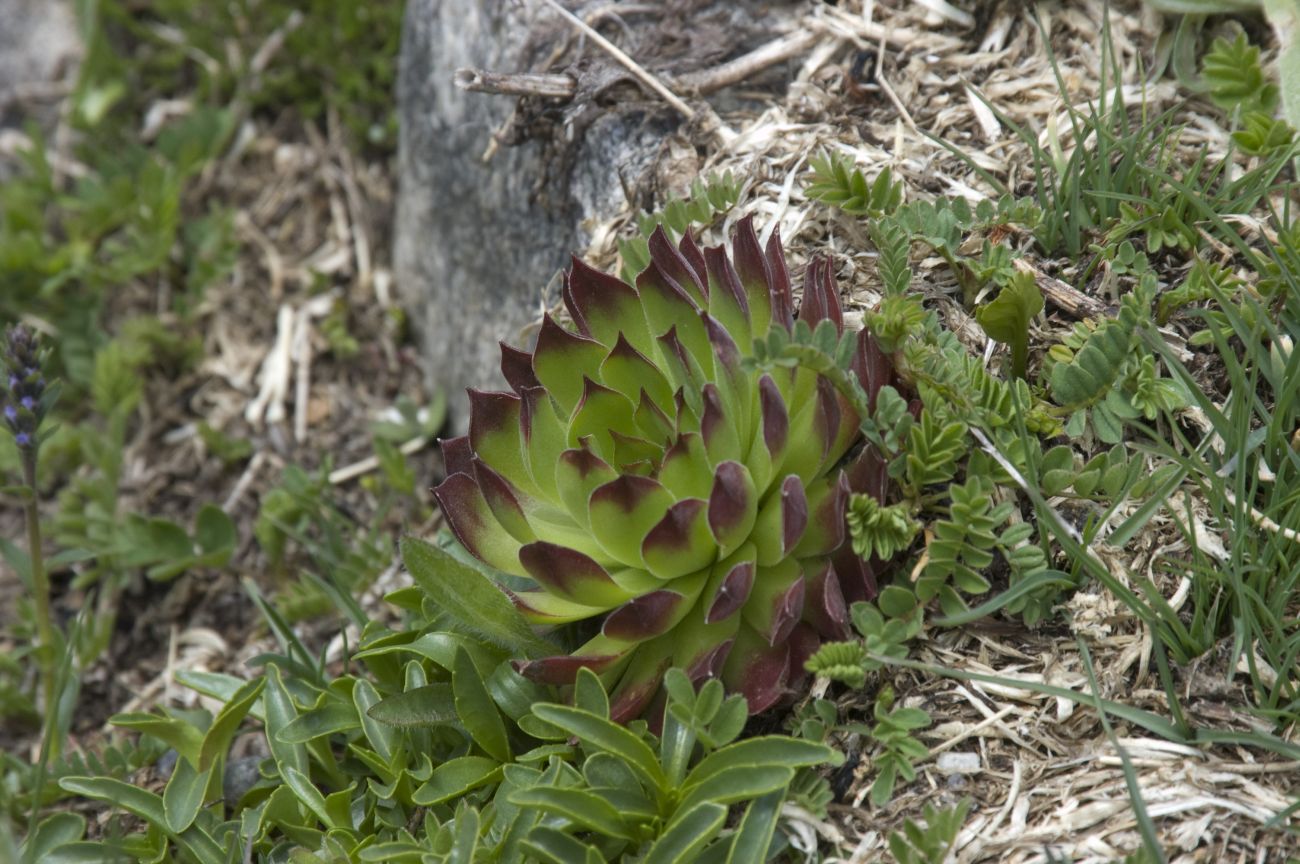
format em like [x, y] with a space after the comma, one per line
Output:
[878, 530]
[1235, 77]
[933, 450]
[963, 545]
[837, 182]
[840, 661]
[894, 248]
[1089, 374]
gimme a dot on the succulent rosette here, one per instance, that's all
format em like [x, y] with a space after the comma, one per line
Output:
[642, 476]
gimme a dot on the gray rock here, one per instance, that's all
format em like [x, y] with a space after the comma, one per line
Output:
[476, 243]
[39, 43]
[40, 51]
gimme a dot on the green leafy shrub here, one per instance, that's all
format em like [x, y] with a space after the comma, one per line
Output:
[432, 748]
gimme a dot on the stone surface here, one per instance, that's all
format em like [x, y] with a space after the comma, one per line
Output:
[477, 243]
[40, 50]
[39, 43]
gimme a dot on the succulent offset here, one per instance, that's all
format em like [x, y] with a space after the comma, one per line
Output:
[642, 476]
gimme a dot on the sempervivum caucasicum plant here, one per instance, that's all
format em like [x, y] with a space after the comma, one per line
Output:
[643, 476]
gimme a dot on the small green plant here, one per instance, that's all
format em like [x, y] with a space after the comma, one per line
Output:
[836, 181]
[933, 843]
[893, 732]
[1234, 77]
[708, 198]
[943, 225]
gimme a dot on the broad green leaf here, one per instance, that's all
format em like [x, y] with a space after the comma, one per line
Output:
[470, 597]
[308, 795]
[514, 693]
[753, 838]
[579, 806]
[456, 777]
[214, 530]
[687, 834]
[380, 736]
[217, 685]
[466, 837]
[280, 711]
[148, 807]
[769, 751]
[217, 740]
[441, 648]
[183, 795]
[53, 831]
[327, 719]
[478, 713]
[339, 807]
[742, 783]
[431, 705]
[597, 732]
[183, 737]
[589, 694]
[556, 847]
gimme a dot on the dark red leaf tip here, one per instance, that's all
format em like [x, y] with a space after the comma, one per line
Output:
[643, 617]
[732, 593]
[457, 455]
[517, 368]
[794, 512]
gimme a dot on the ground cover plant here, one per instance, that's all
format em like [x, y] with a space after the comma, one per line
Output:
[734, 569]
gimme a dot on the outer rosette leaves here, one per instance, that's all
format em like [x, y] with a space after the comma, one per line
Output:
[643, 475]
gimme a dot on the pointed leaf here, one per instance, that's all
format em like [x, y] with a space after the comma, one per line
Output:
[605, 306]
[183, 796]
[781, 522]
[775, 602]
[578, 473]
[569, 574]
[676, 264]
[470, 597]
[600, 411]
[628, 371]
[755, 276]
[478, 713]
[685, 470]
[560, 361]
[517, 368]
[475, 525]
